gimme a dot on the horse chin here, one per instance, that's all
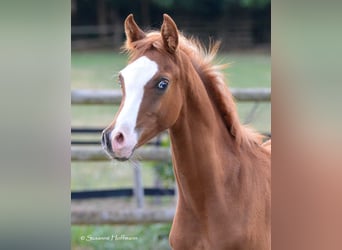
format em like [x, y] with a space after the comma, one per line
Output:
[120, 157]
[124, 157]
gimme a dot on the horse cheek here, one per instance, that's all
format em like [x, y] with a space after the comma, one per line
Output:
[171, 109]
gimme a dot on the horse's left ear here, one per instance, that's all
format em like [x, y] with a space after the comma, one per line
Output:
[132, 30]
[169, 34]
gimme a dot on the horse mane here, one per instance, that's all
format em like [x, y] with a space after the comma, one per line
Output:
[211, 75]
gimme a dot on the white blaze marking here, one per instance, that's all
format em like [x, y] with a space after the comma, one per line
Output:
[135, 76]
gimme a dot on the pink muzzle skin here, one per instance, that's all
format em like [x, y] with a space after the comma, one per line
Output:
[123, 143]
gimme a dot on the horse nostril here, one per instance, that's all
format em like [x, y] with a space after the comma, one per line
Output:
[103, 139]
[119, 138]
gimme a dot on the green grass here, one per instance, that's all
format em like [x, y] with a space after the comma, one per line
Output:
[247, 70]
[108, 175]
[97, 70]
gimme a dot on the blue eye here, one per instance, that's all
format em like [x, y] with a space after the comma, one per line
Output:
[162, 85]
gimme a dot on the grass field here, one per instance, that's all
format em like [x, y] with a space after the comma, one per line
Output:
[97, 70]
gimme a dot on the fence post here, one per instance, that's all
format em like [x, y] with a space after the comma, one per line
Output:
[138, 185]
[176, 192]
[157, 184]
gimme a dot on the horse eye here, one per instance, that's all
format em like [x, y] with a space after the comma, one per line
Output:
[162, 85]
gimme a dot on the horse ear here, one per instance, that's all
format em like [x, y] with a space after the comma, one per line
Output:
[132, 30]
[169, 34]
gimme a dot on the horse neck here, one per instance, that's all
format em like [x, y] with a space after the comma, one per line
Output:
[203, 150]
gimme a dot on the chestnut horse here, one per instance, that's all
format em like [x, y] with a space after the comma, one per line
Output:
[222, 168]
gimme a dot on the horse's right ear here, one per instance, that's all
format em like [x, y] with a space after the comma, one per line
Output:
[132, 30]
[169, 33]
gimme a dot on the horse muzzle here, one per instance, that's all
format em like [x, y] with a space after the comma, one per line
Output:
[119, 144]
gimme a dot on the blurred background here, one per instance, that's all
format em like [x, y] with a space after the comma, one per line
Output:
[137, 199]
[241, 24]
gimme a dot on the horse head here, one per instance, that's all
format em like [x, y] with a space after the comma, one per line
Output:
[151, 89]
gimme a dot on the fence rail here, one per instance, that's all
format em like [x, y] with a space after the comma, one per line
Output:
[122, 216]
[96, 153]
[89, 96]
[120, 192]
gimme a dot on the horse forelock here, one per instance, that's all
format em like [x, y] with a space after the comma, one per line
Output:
[140, 47]
[202, 59]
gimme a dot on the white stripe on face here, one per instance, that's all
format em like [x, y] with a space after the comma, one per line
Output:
[135, 76]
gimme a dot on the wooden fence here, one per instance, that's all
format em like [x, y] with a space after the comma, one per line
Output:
[122, 216]
[96, 153]
[87, 96]
[97, 215]
[100, 97]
